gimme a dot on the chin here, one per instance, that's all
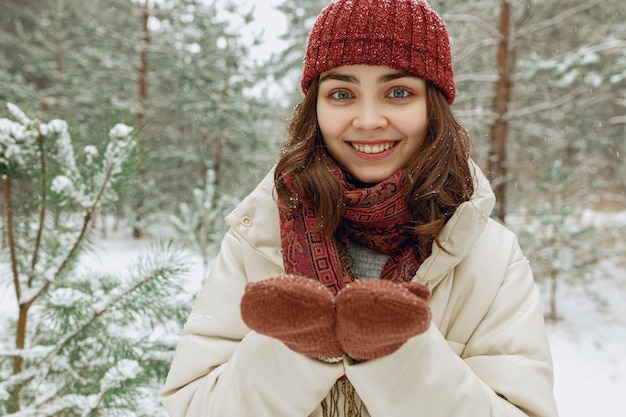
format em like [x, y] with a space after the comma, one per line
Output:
[370, 180]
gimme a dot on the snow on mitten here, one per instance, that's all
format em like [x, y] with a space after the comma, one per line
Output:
[376, 317]
[418, 289]
[298, 311]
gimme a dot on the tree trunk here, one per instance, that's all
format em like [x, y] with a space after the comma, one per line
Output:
[498, 131]
[58, 75]
[553, 315]
[143, 69]
[13, 405]
[141, 115]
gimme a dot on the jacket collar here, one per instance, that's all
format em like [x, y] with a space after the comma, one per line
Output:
[460, 233]
[256, 221]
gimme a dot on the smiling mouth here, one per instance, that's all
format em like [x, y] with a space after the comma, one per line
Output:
[373, 149]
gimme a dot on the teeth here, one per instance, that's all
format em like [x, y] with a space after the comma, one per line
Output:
[378, 148]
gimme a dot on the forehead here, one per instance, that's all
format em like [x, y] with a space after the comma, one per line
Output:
[357, 74]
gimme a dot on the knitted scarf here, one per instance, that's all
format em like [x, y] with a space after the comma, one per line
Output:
[375, 217]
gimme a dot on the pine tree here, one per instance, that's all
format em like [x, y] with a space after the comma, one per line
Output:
[199, 222]
[562, 248]
[563, 59]
[177, 71]
[83, 344]
[198, 113]
[288, 64]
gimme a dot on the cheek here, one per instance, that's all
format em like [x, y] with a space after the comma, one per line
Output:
[322, 121]
[415, 131]
[330, 124]
[414, 126]
[325, 133]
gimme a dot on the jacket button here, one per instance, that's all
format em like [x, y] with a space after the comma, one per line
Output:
[246, 221]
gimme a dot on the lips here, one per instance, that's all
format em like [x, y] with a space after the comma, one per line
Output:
[372, 148]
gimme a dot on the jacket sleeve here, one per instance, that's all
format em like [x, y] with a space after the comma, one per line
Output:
[505, 368]
[221, 368]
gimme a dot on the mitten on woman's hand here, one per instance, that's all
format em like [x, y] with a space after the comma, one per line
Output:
[376, 317]
[298, 311]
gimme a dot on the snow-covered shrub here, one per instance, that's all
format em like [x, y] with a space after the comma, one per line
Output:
[562, 244]
[80, 343]
[198, 223]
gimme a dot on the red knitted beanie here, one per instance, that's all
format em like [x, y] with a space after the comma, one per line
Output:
[403, 34]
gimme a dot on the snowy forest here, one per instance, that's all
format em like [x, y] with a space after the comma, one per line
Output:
[139, 124]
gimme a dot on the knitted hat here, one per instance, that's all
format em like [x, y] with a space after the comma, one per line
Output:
[403, 34]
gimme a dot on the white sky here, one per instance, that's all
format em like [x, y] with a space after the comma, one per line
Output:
[270, 22]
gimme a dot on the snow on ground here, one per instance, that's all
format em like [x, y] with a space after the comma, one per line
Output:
[589, 347]
[588, 343]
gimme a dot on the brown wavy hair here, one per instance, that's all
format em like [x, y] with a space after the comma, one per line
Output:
[438, 179]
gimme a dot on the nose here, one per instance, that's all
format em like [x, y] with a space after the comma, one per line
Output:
[369, 116]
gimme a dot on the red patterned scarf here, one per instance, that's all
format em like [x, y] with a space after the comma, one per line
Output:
[375, 217]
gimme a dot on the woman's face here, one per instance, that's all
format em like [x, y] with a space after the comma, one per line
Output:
[372, 118]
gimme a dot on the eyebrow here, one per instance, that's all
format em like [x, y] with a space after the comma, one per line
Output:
[353, 80]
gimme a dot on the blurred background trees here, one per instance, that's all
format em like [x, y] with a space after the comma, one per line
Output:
[541, 89]
[176, 71]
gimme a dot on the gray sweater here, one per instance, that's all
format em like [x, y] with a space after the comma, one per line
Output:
[366, 263]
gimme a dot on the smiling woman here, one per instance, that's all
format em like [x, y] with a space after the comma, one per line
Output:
[363, 276]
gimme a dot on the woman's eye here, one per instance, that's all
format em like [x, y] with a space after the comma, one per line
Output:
[399, 93]
[341, 95]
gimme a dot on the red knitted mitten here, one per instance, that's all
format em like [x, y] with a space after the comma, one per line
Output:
[298, 311]
[376, 317]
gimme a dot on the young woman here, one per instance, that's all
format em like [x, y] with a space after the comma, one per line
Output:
[363, 276]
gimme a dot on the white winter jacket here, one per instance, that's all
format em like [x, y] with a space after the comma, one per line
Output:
[486, 353]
